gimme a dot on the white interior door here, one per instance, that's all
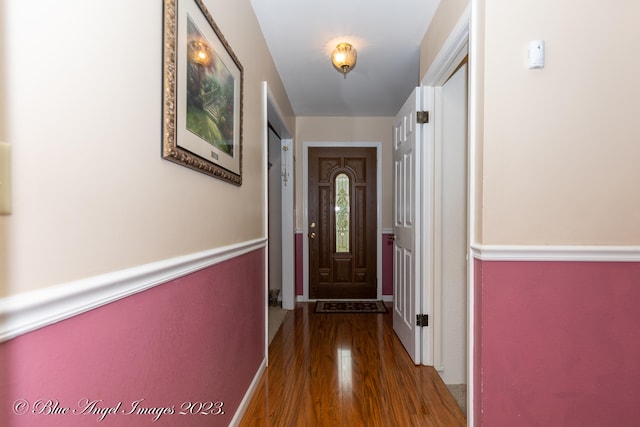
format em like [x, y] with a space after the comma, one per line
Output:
[409, 296]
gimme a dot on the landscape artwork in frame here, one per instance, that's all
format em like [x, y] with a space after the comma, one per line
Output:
[202, 111]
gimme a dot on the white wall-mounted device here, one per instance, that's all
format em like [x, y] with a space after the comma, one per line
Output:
[536, 54]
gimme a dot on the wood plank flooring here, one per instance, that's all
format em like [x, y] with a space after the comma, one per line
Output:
[346, 370]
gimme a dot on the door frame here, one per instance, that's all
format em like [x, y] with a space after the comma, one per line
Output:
[271, 114]
[440, 221]
[274, 116]
[463, 40]
[305, 209]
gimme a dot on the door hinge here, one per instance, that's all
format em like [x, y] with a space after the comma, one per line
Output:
[422, 320]
[422, 117]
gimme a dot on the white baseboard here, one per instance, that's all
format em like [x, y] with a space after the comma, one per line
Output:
[556, 253]
[387, 298]
[242, 408]
[29, 311]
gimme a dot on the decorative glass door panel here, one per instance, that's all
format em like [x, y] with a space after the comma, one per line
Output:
[342, 219]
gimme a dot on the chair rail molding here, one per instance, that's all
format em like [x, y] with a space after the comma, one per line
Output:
[32, 310]
[556, 253]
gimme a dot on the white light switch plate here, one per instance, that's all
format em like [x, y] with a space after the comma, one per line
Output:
[5, 178]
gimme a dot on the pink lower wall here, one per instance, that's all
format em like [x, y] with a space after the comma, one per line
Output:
[387, 265]
[477, 339]
[199, 338]
[557, 343]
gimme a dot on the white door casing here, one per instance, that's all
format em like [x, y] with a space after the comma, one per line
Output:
[411, 192]
[288, 226]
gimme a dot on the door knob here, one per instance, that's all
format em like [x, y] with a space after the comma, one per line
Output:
[312, 235]
[391, 237]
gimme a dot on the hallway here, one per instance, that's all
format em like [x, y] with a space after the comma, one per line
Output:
[346, 370]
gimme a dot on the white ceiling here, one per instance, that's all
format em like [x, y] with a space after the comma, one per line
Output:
[387, 34]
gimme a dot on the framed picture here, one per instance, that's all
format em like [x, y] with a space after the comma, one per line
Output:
[202, 93]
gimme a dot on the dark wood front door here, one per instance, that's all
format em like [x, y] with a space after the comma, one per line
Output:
[342, 223]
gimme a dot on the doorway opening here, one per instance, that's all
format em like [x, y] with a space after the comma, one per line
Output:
[450, 232]
[274, 232]
[448, 336]
[278, 206]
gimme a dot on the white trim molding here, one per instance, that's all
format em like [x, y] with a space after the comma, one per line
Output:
[242, 408]
[452, 52]
[556, 253]
[32, 310]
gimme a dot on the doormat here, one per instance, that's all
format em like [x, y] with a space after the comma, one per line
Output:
[350, 307]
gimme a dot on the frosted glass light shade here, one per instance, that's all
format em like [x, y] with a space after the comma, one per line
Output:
[344, 58]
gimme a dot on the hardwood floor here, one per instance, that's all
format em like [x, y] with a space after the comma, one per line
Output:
[346, 370]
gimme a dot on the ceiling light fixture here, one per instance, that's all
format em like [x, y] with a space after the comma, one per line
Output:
[344, 58]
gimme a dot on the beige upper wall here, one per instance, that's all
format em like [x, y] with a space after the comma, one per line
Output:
[561, 144]
[476, 119]
[4, 226]
[446, 17]
[91, 193]
[557, 148]
[347, 129]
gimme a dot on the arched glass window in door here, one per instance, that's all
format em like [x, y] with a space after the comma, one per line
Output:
[342, 213]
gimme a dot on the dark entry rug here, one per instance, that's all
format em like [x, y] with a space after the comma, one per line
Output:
[350, 307]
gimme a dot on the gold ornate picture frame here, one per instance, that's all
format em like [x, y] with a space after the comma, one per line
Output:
[202, 93]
